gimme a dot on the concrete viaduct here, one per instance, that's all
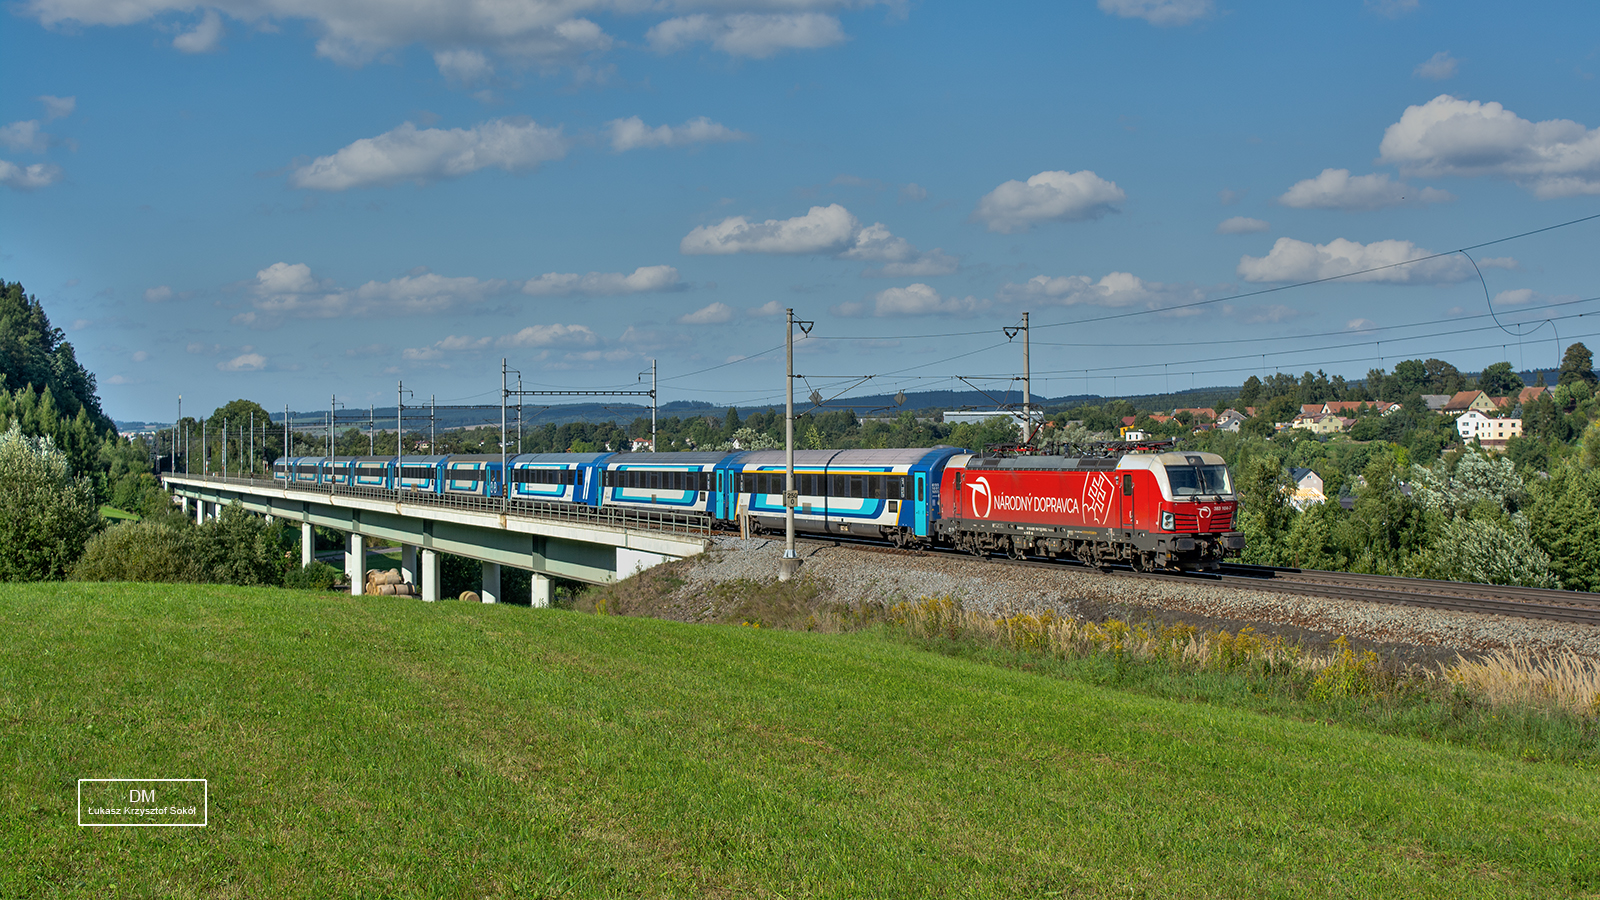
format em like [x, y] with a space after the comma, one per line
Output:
[579, 543]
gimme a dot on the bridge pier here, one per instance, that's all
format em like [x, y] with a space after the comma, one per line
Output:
[308, 543]
[355, 562]
[200, 512]
[430, 575]
[408, 563]
[185, 502]
[491, 583]
[541, 591]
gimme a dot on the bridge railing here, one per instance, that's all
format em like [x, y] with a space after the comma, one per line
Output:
[627, 519]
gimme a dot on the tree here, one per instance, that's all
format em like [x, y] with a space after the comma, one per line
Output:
[1265, 515]
[1443, 378]
[1564, 520]
[1499, 380]
[1410, 377]
[34, 355]
[1578, 365]
[46, 513]
[1251, 391]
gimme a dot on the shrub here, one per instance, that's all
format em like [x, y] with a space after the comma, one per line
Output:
[141, 551]
[238, 547]
[46, 515]
[319, 576]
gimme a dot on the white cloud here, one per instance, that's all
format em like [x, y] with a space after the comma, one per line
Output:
[422, 155]
[29, 178]
[140, 356]
[200, 349]
[631, 133]
[248, 362]
[1446, 136]
[1016, 205]
[550, 336]
[926, 265]
[58, 107]
[1292, 260]
[912, 193]
[205, 38]
[1438, 67]
[463, 66]
[25, 135]
[1360, 325]
[824, 229]
[1241, 225]
[1158, 12]
[769, 308]
[756, 35]
[284, 290]
[914, 300]
[159, 294]
[1517, 297]
[353, 32]
[714, 314]
[830, 230]
[1116, 290]
[604, 284]
[1336, 189]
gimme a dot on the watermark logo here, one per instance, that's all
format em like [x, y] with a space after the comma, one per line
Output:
[143, 802]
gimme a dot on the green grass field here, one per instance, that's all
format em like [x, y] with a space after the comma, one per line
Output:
[384, 747]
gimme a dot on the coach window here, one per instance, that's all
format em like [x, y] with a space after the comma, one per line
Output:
[1127, 484]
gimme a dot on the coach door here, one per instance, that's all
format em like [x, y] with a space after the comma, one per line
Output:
[1127, 501]
[922, 504]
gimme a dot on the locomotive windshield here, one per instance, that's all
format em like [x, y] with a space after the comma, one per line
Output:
[1188, 481]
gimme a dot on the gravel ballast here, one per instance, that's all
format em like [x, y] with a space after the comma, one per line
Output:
[853, 575]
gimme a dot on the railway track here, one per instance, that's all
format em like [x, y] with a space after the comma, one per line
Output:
[1521, 602]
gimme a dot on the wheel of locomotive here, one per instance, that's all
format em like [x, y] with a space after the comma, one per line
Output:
[1144, 562]
[1014, 549]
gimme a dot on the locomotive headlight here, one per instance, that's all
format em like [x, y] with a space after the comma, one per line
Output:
[1166, 520]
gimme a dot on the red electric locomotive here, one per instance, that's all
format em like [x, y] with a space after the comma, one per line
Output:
[1150, 510]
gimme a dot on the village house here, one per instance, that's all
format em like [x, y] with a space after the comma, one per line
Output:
[1230, 420]
[1307, 490]
[1490, 433]
[1464, 401]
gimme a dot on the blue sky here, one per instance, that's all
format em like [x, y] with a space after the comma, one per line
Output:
[282, 201]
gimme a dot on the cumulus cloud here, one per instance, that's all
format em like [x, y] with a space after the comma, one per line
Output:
[914, 300]
[824, 229]
[913, 193]
[604, 284]
[58, 107]
[1158, 12]
[714, 314]
[1360, 325]
[205, 37]
[1517, 297]
[140, 356]
[463, 66]
[422, 155]
[1447, 136]
[247, 362]
[159, 294]
[29, 178]
[1292, 260]
[756, 35]
[631, 133]
[1116, 290]
[1241, 225]
[290, 290]
[1336, 189]
[26, 136]
[533, 336]
[827, 230]
[1438, 67]
[1016, 205]
[769, 308]
[351, 32]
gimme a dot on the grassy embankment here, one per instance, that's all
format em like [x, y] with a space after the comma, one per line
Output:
[381, 746]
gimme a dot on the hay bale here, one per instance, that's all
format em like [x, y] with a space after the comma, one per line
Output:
[386, 590]
[372, 575]
[393, 576]
[471, 597]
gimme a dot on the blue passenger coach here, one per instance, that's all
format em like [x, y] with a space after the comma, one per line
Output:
[890, 494]
[558, 477]
[672, 482]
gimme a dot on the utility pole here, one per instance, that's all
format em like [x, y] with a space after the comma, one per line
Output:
[1027, 414]
[790, 561]
[519, 412]
[433, 422]
[371, 421]
[252, 443]
[205, 450]
[506, 494]
[653, 403]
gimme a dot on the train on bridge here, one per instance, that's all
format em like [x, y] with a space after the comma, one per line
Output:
[1134, 504]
